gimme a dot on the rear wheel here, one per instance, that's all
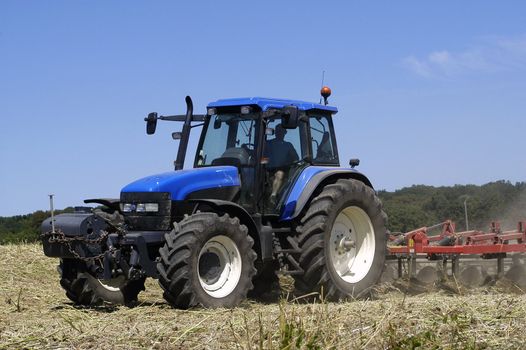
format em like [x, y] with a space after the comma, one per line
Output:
[207, 260]
[342, 239]
[84, 289]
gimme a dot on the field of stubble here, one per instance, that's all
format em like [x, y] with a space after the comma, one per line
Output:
[35, 313]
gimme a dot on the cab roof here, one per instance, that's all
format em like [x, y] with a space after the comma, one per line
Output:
[268, 103]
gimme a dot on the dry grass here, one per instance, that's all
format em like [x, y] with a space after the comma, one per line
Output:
[34, 313]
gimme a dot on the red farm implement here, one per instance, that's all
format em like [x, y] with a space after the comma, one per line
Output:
[417, 247]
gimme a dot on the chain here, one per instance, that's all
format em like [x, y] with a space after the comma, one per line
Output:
[115, 220]
[60, 237]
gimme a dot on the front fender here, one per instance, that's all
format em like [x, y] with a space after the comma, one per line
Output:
[262, 238]
[181, 183]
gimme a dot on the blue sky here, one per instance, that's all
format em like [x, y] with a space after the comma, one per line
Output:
[429, 92]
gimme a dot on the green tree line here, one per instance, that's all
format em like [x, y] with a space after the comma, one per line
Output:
[25, 228]
[407, 209]
[419, 205]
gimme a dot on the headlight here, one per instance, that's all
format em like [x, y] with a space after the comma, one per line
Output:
[128, 207]
[147, 207]
[140, 207]
[151, 207]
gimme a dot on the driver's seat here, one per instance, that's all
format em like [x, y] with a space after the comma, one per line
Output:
[235, 156]
[239, 158]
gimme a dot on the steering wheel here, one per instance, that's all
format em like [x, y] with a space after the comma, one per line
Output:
[249, 147]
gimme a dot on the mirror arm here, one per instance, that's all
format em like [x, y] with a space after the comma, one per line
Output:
[182, 118]
[270, 113]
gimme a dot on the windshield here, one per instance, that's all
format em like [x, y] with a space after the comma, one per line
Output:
[228, 136]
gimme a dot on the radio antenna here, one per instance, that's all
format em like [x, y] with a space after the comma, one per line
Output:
[322, 81]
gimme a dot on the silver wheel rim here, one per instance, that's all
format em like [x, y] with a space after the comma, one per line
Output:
[219, 266]
[113, 285]
[352, 244]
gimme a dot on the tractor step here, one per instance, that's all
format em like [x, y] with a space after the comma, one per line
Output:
[290, 255]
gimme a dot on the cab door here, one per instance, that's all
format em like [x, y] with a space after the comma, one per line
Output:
[246, 140]
[283, 154]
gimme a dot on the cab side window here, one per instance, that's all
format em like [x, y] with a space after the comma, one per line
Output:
[323, 151]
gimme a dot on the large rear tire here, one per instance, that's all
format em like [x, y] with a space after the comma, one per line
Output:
[343, 241]
[84, 289]
[207, 260]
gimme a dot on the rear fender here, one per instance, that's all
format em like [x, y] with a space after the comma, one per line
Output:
[311, 179]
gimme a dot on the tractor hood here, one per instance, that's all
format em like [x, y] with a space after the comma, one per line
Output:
[181, 183]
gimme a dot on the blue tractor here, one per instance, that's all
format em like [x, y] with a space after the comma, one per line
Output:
[266, 195]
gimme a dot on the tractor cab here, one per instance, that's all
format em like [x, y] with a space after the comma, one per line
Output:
[269, 141]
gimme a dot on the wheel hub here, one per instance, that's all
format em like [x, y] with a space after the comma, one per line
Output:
[352, 244]
[219, 266]
[210, 267]
[345, 245]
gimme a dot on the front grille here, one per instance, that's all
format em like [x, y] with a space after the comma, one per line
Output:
[158, 221]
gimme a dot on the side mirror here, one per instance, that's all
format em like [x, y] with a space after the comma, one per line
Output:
[217, 123]
[151, 123]
[290, 117]
[354, 162]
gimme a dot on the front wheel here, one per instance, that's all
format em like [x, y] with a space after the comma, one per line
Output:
[342, 239]
[207, 260]
[84, 289]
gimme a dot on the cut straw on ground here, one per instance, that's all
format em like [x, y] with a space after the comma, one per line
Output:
[35, 313]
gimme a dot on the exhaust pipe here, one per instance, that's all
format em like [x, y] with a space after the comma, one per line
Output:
[185, 134]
